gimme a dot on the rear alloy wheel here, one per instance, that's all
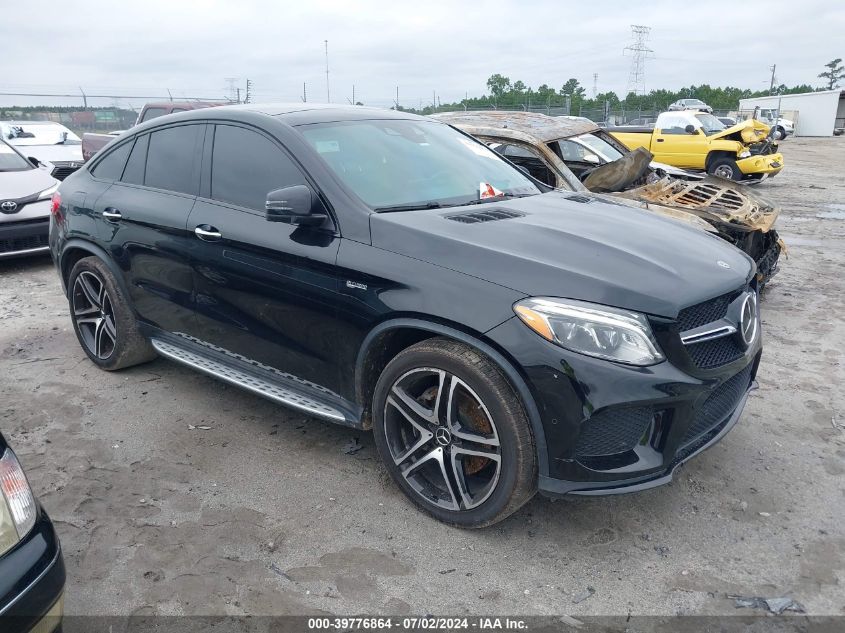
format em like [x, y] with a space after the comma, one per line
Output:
[726, 168]
[93, 315]
[102, 319]
[453, 434]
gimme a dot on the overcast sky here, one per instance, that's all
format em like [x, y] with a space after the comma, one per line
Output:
[191, 46]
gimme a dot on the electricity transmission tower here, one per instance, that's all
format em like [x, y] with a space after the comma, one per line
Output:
[639, 52]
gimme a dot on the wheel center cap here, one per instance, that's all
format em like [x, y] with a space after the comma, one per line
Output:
[443, 436]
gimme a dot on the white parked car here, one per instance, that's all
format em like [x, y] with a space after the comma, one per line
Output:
[25, 199]
[781, 127]
[690, 104]
[48, 142]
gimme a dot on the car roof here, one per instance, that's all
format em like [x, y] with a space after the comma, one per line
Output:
[289, 113]
[518, 125]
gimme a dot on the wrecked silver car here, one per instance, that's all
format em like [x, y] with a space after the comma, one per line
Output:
[577, 155]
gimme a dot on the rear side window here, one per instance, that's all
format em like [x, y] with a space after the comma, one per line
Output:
[171, 158]
[134, 172]
[246, 166]
[152, 113]
[111, 166]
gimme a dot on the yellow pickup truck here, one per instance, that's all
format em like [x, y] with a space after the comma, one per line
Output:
[698, 140]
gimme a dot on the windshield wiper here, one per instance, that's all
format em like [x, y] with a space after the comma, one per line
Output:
[504, 196]
[409, 207]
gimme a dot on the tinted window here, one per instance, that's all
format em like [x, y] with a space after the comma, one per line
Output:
[134, 172]
[171, 157]
[246, 166]
[152, 113]
[111, 167]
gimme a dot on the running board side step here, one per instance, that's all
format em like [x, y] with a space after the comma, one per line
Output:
[253, 382]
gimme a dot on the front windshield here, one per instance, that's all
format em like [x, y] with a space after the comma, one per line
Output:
[605, 150]
[397, 163]
[10, 160]
[709, 123]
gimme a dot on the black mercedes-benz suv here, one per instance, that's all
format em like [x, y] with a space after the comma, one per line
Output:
[382, 270]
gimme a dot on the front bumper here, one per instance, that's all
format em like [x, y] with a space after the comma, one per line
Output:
[24, 237]
[611, 428]
[769, 164]
[32, 581]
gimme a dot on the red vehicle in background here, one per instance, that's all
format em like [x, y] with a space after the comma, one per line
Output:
[92, 142]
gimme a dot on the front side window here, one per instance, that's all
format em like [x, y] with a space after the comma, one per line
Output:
[396, 163]
[111, 166]
[246, 166]
[171, 158]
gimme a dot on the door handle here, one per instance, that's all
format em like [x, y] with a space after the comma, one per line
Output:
[208, 234]
[111, 214]
[660, 140]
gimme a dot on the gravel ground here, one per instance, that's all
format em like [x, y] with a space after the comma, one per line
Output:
[265, 513]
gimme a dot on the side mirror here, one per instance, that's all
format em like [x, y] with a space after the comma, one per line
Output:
[34, 161]
[294, 205]
[690, 129]
[592, 158]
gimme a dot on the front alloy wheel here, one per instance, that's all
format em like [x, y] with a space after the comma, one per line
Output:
[442, 439]
[453, 433]
[94, 316]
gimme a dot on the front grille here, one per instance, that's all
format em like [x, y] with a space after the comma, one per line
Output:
[10, 245]
[613, 431]
[705, 312]
[715, 352]
[719, 405]
[60, 172]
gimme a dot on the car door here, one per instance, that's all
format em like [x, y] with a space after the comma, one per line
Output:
[265, 291]
[672, 144]
[143, 218]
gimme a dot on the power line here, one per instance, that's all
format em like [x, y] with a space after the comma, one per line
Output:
[639, 51]
[328, 94]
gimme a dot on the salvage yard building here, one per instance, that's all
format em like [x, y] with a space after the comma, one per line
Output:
[816, 113]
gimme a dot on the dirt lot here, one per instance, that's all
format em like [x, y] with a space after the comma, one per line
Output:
[265, 512]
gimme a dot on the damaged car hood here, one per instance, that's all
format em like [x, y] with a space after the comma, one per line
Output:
[714, 199]
[750, 131]
[571, 246]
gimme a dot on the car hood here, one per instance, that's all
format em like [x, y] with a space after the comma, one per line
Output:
[572, 246]
[15, 185]
[749, 131]
[713, 199]
[52, 153]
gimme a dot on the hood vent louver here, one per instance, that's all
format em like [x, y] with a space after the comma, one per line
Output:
[490, 215]
[581, 199]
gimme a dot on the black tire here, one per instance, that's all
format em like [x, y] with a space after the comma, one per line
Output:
[473, 375]
[105, 326]
[725, 168]
[779, 134]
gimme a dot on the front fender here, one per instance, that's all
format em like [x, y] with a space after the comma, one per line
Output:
[507, 366]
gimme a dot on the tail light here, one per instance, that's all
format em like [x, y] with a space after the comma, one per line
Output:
[55, 203]
[18, 496]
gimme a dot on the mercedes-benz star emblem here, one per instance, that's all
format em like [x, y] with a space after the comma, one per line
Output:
[748, 320]
[443, 437]
[723, 264]
[8, 206]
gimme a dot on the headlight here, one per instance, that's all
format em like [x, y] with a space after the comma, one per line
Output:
[744, 153]
[592, 329]
[17, 505]
[47, 193]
